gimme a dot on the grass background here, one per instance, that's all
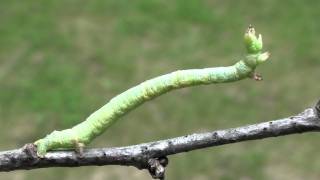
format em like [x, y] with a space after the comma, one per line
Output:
[61, 60]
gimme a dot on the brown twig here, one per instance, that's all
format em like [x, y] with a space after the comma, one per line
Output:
[152, 155]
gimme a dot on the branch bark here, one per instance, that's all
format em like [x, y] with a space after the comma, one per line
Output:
[152, 155]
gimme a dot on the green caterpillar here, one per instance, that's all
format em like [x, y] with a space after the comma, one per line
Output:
[100, 120]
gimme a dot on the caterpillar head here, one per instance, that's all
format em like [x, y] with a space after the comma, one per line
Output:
[252, 42]
[254, 47]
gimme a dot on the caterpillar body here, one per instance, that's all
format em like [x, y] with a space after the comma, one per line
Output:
[123, 103]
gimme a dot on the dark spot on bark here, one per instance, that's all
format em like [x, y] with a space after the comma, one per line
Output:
[215, 135]
[104, 153]
[144, 148]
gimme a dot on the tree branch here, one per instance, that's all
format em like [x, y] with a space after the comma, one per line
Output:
[152, 155]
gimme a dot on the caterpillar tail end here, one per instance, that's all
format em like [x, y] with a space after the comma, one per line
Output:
[65, 139]
[41, 147]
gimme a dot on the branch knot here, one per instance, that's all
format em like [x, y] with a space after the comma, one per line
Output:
[156, 167]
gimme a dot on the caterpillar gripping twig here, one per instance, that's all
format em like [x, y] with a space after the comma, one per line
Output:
[100, 120]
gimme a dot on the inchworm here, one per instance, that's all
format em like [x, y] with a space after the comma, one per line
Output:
[100, 120]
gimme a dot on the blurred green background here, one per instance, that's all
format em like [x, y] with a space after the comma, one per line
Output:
[61, 60]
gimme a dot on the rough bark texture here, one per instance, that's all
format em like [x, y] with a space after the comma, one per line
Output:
[152, 156]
